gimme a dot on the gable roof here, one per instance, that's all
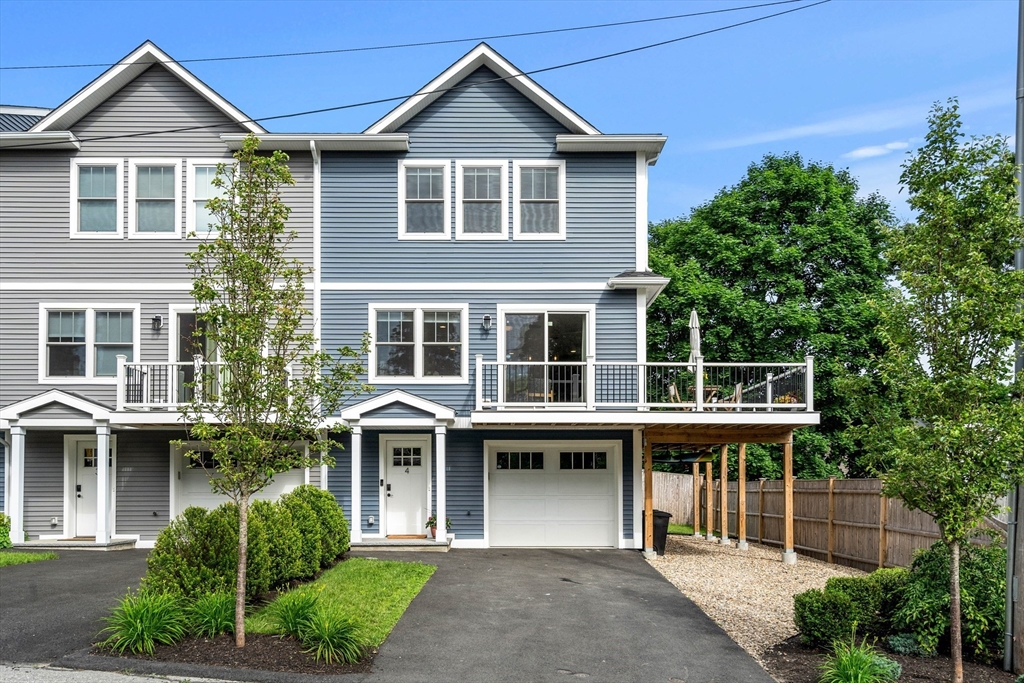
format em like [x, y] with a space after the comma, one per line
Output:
[70, 400]
[123, 73]
[483, 55]
[436, 410]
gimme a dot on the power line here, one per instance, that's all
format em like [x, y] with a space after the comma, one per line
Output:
[437, 91]
[408, 45]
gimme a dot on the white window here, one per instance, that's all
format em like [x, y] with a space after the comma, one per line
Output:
[424, 200]
[96, 207]
[154, 198]
[199, 188]
[538, 189]
[80, 343]
[481, 200]
[419, 344]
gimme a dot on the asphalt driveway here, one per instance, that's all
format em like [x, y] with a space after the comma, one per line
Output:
[555, 615]
[49, 609]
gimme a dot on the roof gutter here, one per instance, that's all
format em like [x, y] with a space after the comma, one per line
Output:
[651, 145]
[325, 142]
[56, 139]
[653, 285]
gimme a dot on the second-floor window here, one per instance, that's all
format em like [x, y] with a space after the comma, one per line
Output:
[200, 190]
[539, 189]
[83, 343]
[481, 211]
[96, 198]
[154, 199]
[419, 344]
[423, 200]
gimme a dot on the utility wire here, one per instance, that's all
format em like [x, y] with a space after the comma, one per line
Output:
[438, 91]
[408, 45]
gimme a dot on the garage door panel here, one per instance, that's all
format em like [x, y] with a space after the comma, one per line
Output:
[513, 508]
[518, 534]
[579, 534]
[583, 484]
[593, 508]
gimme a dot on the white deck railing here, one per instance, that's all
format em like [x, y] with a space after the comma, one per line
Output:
[698, 386]
[166, 386]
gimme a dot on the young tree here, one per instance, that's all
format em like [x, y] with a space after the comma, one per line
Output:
[779, 266]
[258, 405]
[955, 444]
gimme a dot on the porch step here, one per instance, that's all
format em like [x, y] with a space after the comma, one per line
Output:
[422, 545]
[73, 544]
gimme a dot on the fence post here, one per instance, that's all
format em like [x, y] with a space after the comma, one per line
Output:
[883, 536]
[700, 383]
[831, 517]
[696, 499]
[760, 510]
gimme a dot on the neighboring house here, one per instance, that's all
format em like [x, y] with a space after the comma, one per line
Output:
[491, 240]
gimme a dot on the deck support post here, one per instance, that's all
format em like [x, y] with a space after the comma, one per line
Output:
[648, 499]
[696, 500]
[709, 502]
[355, 524]
[741, 498]
[724, 493]
[788, 551]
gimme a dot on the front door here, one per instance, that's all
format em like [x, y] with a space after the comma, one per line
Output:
[405, 485]
[85, 488]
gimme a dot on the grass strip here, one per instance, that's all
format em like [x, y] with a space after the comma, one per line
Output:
[8, 558]
[374, 592]
[680, 529]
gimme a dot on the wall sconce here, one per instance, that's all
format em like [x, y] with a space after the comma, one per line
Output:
[486, 322]
[158, 323]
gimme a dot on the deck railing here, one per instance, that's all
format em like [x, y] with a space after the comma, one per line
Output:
[698, 386]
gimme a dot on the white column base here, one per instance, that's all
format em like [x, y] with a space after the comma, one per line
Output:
[711, 537]
[649, 554]
[742, 545]
[725, 541]
[789, 557]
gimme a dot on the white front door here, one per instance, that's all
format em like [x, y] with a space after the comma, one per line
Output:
[85, 488]
[405, 485]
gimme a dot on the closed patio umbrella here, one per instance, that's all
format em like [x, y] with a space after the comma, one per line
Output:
[694, 336]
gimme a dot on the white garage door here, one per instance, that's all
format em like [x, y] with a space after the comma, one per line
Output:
[552, 497]
[193, 486]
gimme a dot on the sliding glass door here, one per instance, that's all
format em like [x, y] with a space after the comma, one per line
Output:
[545, 355]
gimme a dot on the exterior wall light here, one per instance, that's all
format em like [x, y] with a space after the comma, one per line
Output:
[158, 323]
[486, 322]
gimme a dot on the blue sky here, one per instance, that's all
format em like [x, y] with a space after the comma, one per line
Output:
[848, 83]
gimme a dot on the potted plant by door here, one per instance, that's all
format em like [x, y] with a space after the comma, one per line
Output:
[432, 525]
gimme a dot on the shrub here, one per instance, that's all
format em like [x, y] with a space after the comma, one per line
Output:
[292, 609]
[334, 537]
[284, 541]
[143, 620]
[890, 583]
[865, 598]
[924, 608]
[5, 531]
[331, 636]
[212, 614]
[822, 617]
[906, 644]
[306, 522]
[853, 662]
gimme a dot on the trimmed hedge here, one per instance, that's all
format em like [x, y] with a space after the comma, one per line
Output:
[823, 618]
[197, 553]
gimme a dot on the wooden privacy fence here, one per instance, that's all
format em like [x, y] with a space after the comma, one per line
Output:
[842, 521]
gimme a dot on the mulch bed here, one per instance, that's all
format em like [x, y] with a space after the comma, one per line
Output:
[792, 662]
[261, 652]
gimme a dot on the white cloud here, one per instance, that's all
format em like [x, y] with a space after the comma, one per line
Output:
[875, 150]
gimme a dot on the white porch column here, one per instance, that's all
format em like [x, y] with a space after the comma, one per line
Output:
[440, 434]
[16, 503]
[356, 523]
[102, 484]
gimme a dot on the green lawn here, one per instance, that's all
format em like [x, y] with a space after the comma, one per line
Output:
[8, 558]
[375, 592]
[680, 529]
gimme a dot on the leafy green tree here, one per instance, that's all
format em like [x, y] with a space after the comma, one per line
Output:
[259, 406]
[779, 266]
[954, 443]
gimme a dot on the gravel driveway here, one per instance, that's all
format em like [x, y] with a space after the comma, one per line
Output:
[749, 593]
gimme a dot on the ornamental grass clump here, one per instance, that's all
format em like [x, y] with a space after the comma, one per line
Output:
[855, 662]
[212, 614]
[144, 620]
[331, 636]
[290, 611]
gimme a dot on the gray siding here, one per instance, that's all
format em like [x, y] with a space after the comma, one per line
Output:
[371, 482]
[57, 410]
[143, 482]
[398, 410]
[339, 477]
[44, 482]
[345, 320]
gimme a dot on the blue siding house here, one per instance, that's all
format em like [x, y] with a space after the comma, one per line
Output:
[491, 241]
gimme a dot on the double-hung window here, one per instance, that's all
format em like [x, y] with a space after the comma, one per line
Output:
[424, 200]
[96, 198]
[200, 189]
[81, 343]
[154, 198]
[418, 344]
[539, 198]
[481, 207]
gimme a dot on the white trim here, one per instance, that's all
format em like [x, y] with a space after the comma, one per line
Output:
[93, 286]
[145, 545]
[133, 181]
[70, 523]
[614, 448]
[459, 286]
[482, 55]
[638, 488]
[317, 247]
[517, 166]
[356, 482]
[7, 478]
[382, 444]
[190, 197]
[589, 309]
[172, 328]
[641, 211]
[444, 164]
[649, 145]
[117, 234]
[418, 310]
[325, 142]
[90, 310]
[476, 543]
[126, 70]
[460, 166]
[15, 410]
[641, 326]
[57, 139]
[609, 418]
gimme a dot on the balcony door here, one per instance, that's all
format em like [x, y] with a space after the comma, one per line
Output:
[192, 342]
[545, 355]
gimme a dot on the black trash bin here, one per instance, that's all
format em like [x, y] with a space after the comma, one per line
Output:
[660, 530]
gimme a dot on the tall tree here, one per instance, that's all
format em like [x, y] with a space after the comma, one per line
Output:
[258, 405]
[954, 446]
[779, 266]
